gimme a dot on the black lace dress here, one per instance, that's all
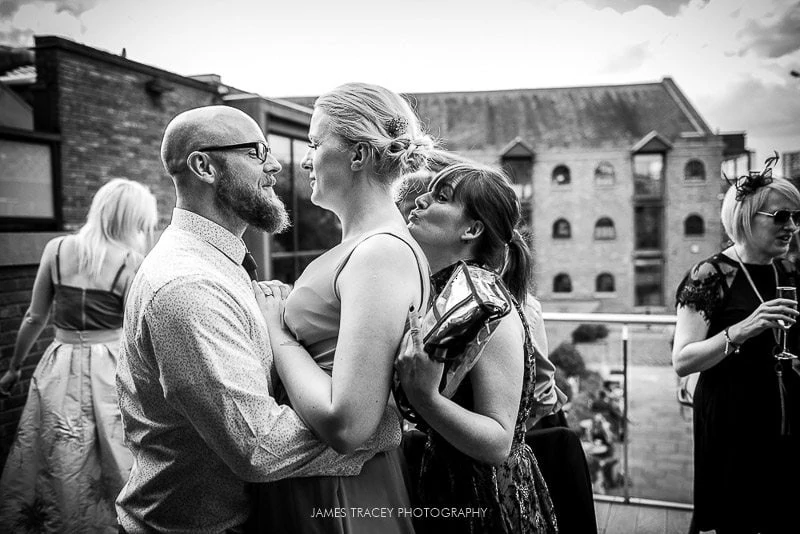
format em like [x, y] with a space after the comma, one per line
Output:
[510, 498]
[746, 408]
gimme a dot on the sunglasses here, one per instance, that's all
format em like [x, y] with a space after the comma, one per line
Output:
[781, 217]
[261, 148]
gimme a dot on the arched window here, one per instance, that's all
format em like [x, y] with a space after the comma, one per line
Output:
[694, 171]
[561, 175]
[562, 283]
[694, 226]
[604, 174]
[604, 229]
[562, 229]
[604, 283]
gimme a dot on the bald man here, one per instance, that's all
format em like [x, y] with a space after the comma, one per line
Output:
[195, 367]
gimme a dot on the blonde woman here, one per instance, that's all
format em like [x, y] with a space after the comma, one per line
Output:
[746, 402]
[68, 461]
[346, 316]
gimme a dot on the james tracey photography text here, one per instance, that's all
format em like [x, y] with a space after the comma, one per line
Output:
[380, 512]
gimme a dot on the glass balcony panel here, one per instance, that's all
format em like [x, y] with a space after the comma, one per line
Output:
[627, 371]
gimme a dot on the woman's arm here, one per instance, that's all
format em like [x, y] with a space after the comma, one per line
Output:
[485, 434]
[35, 318]
[692, 352]
[377, 286]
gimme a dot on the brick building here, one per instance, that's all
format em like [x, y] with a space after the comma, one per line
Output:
[620, 184]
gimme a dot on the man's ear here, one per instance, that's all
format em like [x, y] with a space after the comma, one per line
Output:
[474, 231]
[202, 167]
[361, 154]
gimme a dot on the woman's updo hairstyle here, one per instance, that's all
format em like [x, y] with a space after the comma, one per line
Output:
[384, 120]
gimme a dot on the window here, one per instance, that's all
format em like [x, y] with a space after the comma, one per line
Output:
[562, 283]
[562, 229]
[736, 166]
[28, 181]
[604, 229]
[604, 283]
[648, 175]
[694, 171]
[604, 174]
[694, 226]
[520, 171]
[648, 221]
[649, 283]
[561, 175]
[313, 230]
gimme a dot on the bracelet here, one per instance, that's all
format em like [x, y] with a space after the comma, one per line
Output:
[729, 343]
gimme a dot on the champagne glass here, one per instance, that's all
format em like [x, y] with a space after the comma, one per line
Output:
[786, 292]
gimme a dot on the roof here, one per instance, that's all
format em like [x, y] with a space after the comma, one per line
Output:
[19, 76]
[611, 117]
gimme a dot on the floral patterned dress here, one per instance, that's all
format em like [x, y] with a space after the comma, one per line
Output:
[508, 498]
[746, 407]
[68, 462]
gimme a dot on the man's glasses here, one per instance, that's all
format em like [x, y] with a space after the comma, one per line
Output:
[781, 217]
[261, 148]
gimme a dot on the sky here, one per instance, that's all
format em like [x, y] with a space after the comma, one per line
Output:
[731, 58]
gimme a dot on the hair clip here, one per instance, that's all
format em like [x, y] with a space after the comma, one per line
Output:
[396, 126]
[748, 184]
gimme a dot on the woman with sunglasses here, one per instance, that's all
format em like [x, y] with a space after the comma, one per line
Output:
[746, 402]
[475, 457]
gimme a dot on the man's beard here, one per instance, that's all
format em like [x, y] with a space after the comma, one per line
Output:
[251, 204]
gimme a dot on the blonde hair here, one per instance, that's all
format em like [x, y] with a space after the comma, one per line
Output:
[737, 215]
[122, 213]
[384, 120]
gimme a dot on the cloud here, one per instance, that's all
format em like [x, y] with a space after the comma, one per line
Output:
[766, 112]
[774, 37]
[43, 18]
[8, 8]
[16, 37]
[630, 59]
[668, 7]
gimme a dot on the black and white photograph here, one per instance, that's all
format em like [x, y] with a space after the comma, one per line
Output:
[367, 267]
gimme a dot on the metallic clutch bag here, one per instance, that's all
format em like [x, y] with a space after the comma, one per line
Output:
[458, 325]
[470, 298]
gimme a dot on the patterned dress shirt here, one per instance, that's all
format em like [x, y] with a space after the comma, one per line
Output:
[194, 379]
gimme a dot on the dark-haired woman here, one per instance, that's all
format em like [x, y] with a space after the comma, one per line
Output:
[476, 464]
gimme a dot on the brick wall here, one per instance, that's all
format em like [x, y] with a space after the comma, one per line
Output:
[16, 284]
[582, 203]
[110, 126]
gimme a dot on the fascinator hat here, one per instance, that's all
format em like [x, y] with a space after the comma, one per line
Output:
[748, 184]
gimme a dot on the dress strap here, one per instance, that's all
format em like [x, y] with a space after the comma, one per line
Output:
[424, 277]
[119, 272]
[58, 260]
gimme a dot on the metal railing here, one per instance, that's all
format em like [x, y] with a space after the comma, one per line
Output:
[625, 321]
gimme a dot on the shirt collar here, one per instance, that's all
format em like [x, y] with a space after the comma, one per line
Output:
[209, 231]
